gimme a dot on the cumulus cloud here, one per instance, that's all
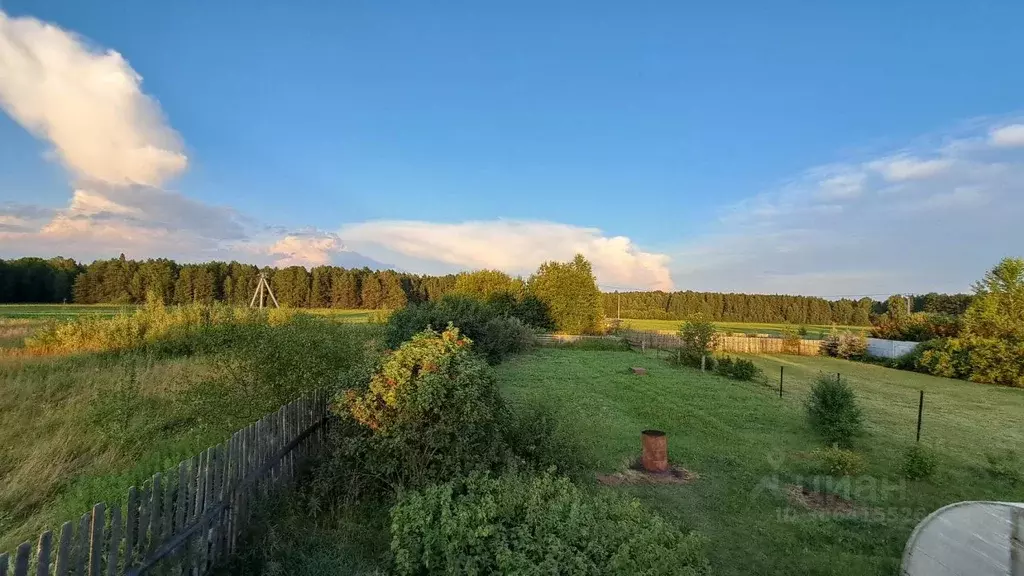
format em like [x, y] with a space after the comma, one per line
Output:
[87, 103]
[514, 246]
[1008, 136]
[956, 213]
[312, 249]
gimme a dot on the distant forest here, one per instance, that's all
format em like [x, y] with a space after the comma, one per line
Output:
[124, 281]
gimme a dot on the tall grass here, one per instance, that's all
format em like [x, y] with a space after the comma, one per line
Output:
[132, 329]
[81, 428]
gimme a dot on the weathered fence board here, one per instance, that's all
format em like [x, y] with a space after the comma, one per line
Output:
[188, 519]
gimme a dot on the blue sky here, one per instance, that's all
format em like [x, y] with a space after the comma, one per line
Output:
[818, 148]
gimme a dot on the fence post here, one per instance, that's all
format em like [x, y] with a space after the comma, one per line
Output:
[703, 358]
[781, 371]
[920, 412]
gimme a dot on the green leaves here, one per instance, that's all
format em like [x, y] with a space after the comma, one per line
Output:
[570, 291]
[539, 524]
[833, 412]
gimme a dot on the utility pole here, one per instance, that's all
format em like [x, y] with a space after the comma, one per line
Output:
[909, 300]
[618, 306]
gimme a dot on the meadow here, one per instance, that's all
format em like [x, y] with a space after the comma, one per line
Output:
[81, 428]
[746, 446]
[813, 331]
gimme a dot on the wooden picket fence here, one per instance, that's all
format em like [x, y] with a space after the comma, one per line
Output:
[185, 521]
[736, 344]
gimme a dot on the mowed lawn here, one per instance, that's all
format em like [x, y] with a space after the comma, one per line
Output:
[813, 331]
[747, 445]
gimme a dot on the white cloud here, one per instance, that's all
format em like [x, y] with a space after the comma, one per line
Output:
[903, 168]
[960, 197]
[114, 142]
[951, 220]
[842, 186]
[306, 249]
[1008, 136]
[87, 103]
[514, 246]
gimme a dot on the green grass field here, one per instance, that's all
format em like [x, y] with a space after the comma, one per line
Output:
[746, 444]
[81, 429]
[813, 331]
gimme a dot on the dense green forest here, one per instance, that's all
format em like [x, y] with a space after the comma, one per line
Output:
[124, 281]
[767, 308]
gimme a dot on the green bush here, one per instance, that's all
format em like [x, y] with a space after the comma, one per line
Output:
[836, 461]
[518, 524]
[432, 411]
[531, 433]
[737, 369]
[918, 463]
[845, 345]
[833, 412]
[494, 336]
[1006, 465]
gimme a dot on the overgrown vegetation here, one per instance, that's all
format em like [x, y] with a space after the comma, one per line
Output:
[145, 326]
[534, 524]
[845, 345]
[836, 461]
[698, 339]
[985, 345]
[81, 429]
[833, 412]
[569, 289]
[431, 412]
[737, 368]
[495, 334]
[918, 463]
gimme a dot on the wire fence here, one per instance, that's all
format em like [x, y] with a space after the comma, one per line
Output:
[185, 521]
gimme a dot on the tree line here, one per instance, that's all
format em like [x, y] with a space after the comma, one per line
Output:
[769, 308]
[125, 281]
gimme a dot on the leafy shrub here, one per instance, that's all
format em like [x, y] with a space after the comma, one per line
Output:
[833, 412]
[1006, 465]
[737, 369]
[432, 411]
[698, 339]
[518, 524]
[843, 345]
[918, 463]
[984, 360]
[531, 434]
[836, 461]
[494, 336]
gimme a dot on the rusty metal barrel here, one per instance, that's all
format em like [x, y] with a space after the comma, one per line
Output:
[655, 451]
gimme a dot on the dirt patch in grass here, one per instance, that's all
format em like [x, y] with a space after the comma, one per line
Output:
[817, 500]
[635, 475]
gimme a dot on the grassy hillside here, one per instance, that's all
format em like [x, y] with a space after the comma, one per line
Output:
[747, 445]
